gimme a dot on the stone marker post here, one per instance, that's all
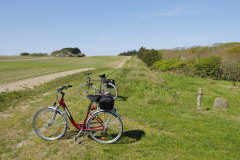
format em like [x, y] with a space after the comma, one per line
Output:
[199, 98]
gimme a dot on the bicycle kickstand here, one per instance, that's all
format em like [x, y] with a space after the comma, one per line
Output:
[75, 137]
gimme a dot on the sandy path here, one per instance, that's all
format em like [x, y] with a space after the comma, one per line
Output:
[32, 82]
[121, 64]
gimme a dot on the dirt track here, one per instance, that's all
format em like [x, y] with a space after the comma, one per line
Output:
[32, 82]
[121, 64]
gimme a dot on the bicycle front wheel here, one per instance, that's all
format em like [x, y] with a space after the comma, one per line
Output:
[106, 127]
[86, 89]
[49, 124]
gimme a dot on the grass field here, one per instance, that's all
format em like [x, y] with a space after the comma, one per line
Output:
[13, 68]
[159, 115]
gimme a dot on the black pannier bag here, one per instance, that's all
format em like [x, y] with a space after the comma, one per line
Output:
[110, 81]
[106, 102]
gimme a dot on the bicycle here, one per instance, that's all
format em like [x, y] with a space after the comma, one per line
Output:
[106, 86]
[103, 126]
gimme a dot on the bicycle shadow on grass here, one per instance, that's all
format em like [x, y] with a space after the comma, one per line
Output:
[70, 134]
[126, 138]
[122, 98]
[131, 136]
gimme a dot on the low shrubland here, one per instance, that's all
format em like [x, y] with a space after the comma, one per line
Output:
[219, 61]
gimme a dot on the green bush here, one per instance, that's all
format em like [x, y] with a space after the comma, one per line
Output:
[33, 54]
[235, 49]
[24, 54]
[68, 52]
[170, 64]
[149, 57]
[208, 66]
[38, 54]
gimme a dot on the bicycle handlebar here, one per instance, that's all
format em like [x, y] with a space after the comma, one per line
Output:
[63, 87]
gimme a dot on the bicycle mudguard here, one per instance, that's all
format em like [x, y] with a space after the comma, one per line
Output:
[108, 111]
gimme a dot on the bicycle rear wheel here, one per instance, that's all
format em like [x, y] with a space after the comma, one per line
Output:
[86, 89]
[48, 124]
[109, 124]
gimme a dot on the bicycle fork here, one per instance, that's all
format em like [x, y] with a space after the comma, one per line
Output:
[53, 115]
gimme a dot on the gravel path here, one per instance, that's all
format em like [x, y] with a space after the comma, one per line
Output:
[121, 64]
[32, 82]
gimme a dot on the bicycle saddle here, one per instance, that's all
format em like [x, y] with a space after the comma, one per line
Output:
[102, 75]
[94, 98]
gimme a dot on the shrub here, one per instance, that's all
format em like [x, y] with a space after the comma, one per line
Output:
[38, 54]
[149, 57]
[208, 66]
[170, 64]
[68, 52]
[24, 54]
[235, 49]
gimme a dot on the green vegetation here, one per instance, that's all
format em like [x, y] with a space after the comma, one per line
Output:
[24, 54]
[220, 61]
[68, 52]
[159, 115]
[12, 69]
[169, 64]
[149, 56]
[33, 54]
[129, 53]
[204, 67]
[208, 66]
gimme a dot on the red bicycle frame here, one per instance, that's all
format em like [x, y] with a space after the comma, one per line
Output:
[81, 126]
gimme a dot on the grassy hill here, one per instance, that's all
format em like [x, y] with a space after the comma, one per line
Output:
[159, 115]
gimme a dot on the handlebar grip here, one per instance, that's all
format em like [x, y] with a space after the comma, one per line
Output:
[63, 87]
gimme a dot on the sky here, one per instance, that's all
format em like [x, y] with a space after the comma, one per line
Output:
[109, 27]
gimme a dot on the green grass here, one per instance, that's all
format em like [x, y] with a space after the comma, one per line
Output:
[18, 68]
[159, 115]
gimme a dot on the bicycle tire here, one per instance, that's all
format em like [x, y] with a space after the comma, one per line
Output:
[46, 129]
[113, 127]
[86, 89]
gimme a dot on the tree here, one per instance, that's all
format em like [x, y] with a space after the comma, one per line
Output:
[24, 54]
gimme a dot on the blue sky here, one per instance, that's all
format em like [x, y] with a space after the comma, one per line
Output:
[108, 27]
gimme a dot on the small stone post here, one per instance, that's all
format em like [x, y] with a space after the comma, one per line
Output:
[199, 98]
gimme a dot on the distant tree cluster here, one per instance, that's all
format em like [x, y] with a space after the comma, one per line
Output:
[148, 56]
[33, 54]
[68, 52]
[129, 53]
